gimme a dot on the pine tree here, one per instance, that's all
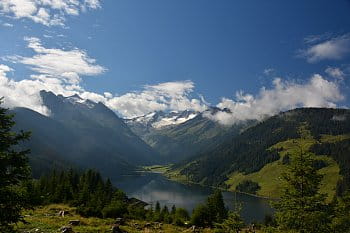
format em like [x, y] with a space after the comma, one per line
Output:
[216, 205]
[301, 207]
[157, 215]
[14, 170]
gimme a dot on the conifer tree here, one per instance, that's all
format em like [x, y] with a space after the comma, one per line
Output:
[216, 206]
[14, 170]
[301, 207]
[157, 215]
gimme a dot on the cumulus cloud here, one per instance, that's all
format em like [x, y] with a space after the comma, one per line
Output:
[22, 93]
[163, 96]
[67, 65]
[317, 92]
[61, 72]
[46, 12]
[55, 70]
[333, 49]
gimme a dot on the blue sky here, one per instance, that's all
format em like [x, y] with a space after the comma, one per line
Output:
[205, 48]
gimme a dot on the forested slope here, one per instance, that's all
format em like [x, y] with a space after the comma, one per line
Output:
[257, 147]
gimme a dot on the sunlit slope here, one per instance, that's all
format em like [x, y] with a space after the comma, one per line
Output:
[269, 177]
[258, 153]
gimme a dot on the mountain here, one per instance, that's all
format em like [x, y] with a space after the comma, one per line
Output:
[159, 119]
[260, 153]
[82, 133]
[180, 135]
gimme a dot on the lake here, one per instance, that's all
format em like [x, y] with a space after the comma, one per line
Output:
[153, 187]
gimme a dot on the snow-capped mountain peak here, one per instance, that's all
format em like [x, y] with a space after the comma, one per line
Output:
[161, 119]
[76, 99]
[175, 118]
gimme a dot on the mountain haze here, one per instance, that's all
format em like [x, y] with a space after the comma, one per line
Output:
[82, 133]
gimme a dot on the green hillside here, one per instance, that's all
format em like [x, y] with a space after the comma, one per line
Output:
[259, 154]
[269, 177]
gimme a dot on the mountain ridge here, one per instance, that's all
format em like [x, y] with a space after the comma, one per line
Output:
[82, 133]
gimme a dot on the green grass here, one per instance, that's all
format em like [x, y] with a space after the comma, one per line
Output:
[269, 177]
[45, 219]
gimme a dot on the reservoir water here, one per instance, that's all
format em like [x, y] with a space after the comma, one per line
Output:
[153, 187]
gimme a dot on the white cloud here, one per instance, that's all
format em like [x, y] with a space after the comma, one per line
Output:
[56, 70]
[25, 93]
[46, 12]
[318, 92]
[335, 72]
[21, 94]
[67, 65]
[162, 96]
[60, 71]
[332, 49]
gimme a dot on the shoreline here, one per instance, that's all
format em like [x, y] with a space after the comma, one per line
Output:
[220, 188]
[168, 177]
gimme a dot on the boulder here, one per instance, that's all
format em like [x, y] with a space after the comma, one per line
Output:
[74, 222]
[66, 229]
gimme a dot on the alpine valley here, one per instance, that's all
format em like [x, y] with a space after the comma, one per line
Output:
[249, 156]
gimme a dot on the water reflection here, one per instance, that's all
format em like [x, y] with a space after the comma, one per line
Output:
[151, 187]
